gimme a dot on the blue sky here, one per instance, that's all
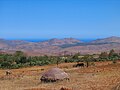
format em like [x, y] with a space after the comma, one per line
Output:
[44, 19]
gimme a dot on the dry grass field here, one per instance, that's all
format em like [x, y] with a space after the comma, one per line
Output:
[102, 76]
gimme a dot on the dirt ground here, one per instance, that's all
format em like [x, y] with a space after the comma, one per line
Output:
[100, 76]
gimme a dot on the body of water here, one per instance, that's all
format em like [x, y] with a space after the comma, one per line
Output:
[41, 40]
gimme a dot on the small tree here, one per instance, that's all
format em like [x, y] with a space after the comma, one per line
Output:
[111, 53]
[103, 55]
[87, 59]
[58, 61]
[20, 57]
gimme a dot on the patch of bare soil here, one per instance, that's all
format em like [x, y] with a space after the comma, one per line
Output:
[102, 76]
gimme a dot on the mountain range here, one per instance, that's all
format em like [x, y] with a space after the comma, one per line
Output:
[60, 46]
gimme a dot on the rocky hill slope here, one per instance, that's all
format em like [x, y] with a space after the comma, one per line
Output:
[59, 46]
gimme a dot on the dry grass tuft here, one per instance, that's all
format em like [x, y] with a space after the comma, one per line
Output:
[102, 76]
[37, 89]
[63, 88]
[117, 87]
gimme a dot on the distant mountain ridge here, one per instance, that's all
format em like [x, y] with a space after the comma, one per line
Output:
[58, 42]
[112, 39]
[57, 46]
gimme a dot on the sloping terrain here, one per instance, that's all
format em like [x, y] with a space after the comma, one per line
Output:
[59, 46]
[102, 76]
[112, 39]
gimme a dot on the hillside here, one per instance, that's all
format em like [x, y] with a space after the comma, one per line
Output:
[58, 46]
[112, 39]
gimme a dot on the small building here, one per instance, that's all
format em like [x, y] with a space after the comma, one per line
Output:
[53, 75]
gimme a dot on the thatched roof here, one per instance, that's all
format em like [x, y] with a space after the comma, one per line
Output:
[54, 74]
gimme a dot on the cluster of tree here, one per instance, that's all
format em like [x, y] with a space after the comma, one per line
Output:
[90, 59]
[112, 56]
[103, 56]
[19, 59]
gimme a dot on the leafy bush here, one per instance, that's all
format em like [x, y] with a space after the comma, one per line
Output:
[19, 59]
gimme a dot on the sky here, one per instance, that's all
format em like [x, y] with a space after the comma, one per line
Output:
[45, 19]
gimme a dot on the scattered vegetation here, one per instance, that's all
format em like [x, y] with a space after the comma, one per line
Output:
[19, 59]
